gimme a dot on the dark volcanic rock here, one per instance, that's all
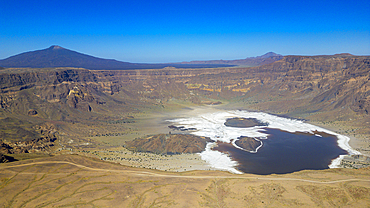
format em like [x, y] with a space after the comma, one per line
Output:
[176, 127]
[5, 148]
[32, 112]
[5, 158]
[169, 144]
[243, 122]
[248, 143]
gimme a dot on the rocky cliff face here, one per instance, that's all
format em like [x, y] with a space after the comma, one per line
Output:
[77, 100]
[331, 81]
[320, 83]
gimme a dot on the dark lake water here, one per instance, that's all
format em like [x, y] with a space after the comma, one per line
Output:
[285, 152]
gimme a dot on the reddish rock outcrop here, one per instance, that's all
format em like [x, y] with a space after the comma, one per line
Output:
[248, 143]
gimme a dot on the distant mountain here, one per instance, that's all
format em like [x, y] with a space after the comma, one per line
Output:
[56, 56]
[267, 58]
[268, 55]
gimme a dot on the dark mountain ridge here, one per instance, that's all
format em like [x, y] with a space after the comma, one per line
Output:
[267, 58]
[56, 56]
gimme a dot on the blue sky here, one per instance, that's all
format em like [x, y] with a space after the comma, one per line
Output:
[171, 31]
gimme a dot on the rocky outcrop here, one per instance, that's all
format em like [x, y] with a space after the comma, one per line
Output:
[32, 112]
[355, 161]
[244, 122]
[248, 144]
[169, 144]
[42, 143]
[27, 78]
[294, 83]
[331, 81]
[5, 159]
[77, 98]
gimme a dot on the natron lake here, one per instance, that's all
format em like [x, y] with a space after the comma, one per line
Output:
[288, 145]
[284, 152]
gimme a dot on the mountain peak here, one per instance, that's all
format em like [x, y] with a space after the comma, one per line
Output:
[343, 54]
[55, 47]
[269, 54]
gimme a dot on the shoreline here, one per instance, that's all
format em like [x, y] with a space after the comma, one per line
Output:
[355, 143]
[210, 125]
[255, 151]
[173, 163]
[203, 161]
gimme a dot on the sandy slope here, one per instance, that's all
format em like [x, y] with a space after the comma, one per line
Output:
[71, 180]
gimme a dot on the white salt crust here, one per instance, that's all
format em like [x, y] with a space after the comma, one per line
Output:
[212, 125]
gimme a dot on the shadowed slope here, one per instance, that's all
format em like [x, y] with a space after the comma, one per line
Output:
[56, 56]
[169, 144]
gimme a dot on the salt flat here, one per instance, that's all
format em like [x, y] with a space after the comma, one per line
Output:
[209, 122]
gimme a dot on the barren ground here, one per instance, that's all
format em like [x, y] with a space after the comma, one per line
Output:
[71, 180]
